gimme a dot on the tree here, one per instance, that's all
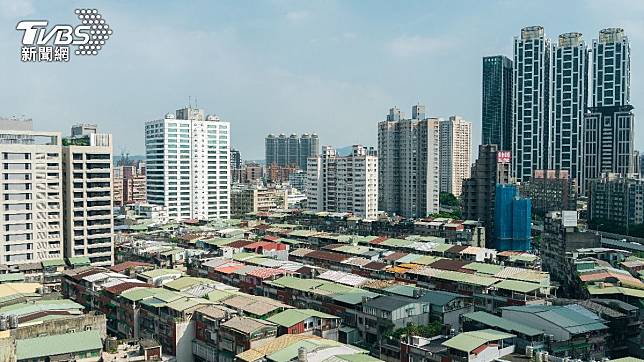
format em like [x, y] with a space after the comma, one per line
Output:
[430, 330]
[447, 199]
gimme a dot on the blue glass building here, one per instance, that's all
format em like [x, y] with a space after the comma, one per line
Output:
[512, 219]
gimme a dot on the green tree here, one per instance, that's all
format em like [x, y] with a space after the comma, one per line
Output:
[447, 199]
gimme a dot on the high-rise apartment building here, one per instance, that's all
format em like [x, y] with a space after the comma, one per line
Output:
[609, 124]
[616, 200]
[455, 145]
[344, 183]
[492, 167]
[188, 165]
[87, 202]
[31, 194]
[530, 97]
[496, 108]
[568, 102]
[291, 151]
[550, 190]
[408, 164]
[512, 219]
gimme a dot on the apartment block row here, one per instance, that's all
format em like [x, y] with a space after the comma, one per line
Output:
[56, 194]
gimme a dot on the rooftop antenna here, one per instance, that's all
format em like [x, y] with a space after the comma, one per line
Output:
[196, 106]
[189, 102]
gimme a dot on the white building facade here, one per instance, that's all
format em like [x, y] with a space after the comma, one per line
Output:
[455, 150]
[188, 165]
[31, 193]
[344, 184]
[408, 164]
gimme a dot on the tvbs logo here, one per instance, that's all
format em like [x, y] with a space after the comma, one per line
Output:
[52, 45]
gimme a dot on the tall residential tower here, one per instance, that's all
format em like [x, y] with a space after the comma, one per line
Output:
[408, 164]
[455, 146]
[530, 97]
[188, 165]
[496, 107]
[568, 102]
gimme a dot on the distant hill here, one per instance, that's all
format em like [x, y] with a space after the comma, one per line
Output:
[117, 158]
[344, 151]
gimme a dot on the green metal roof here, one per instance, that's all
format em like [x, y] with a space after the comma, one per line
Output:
[218, 295]
[34, 348]
[354, 297]
[155, 273]
[358, 357]
[40, 305]
[466, 278]
[53, 262]
[505, 324]
[484, 268]
[184, 283]
[290, 352]
[291, 317]
[12, 277]
[597, 290]
[469, 341]
[78, 261]
[518, 286]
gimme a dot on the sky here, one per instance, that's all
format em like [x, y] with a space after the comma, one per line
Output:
[329, 67]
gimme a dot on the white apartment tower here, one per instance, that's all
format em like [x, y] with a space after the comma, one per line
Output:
[568, 102]
[31, 192]
[408, 164]
[88, 199]
[344, 184]
[455, 146]
[188, 165]
[530, 98]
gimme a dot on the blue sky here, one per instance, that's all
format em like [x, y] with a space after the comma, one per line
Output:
[330, 67]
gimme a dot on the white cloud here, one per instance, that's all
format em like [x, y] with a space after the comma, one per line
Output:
[297, 15]
[16, 8]
[406, 46]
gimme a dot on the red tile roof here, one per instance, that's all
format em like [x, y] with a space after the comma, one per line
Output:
[378, 240]
[375, 265]
[120, 288]
[264, 273]
[229, 268]
[327, 255]
[449, 264]
[456, 249]
[265, 245]
[238, 244]
[394, 256]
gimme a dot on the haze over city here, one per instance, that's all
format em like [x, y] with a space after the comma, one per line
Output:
[332, 67]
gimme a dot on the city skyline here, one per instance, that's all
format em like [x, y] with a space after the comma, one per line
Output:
[286, 88]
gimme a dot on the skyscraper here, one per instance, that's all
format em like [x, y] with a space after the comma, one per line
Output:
[87, 195]
[408, 164]
[608, 126]
[455, 145]
[530, 97]
[31, 221]
[568, 102]
[291, 151]
[309, 147]
[344, 184]
[492, 167]
[497, 102]
[188, 164]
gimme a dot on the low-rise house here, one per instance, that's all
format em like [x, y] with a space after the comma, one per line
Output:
[486, 345]
[387, 313]
[208, 321]
[239, 334]
[159, 277]
[526, 336]
[77, 346]
[570, 331]
[307, 321]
